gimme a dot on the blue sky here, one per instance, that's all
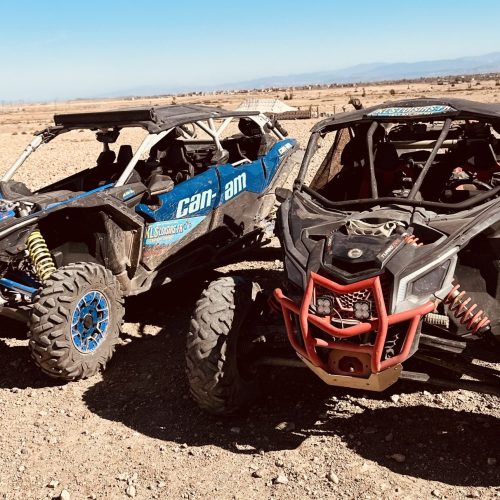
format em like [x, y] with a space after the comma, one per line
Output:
[77, 48]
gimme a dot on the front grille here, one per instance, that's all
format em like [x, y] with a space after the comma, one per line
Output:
[343, 303]
[347, 300]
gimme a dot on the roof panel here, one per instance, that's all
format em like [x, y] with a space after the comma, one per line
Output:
[154, 119]
[411, 109]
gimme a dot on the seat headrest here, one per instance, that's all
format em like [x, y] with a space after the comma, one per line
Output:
[162, 145]
[248, 127]
[125, 154]
[106, 158]
[354, 153]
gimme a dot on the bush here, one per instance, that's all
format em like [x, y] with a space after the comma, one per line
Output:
[392, 92]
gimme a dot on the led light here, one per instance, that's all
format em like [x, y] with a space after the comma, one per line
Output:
[362, 309]
[324, 306]
[431, 281]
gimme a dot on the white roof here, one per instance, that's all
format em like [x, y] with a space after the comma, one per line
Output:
[265, 106]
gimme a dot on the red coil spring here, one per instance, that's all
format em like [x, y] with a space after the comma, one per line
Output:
[412, 240]
[458, 302]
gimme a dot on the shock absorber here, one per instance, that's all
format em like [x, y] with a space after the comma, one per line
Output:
[413, 240]
[39, 255]
[460, 304]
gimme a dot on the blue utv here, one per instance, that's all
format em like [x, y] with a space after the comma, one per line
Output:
[199, 187]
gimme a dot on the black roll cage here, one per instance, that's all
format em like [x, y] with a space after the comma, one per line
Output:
[410, 200]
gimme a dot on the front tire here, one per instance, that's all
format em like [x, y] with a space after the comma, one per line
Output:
[75, 321]
[219, 347]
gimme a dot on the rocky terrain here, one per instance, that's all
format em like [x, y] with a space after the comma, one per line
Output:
[133, 431]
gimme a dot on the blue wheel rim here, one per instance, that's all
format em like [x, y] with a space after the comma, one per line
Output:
[90, 322]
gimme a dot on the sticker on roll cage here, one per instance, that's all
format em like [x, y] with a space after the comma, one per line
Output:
[169, 232]
[435, 109]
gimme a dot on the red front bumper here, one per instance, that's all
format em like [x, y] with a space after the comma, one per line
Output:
[379, 323]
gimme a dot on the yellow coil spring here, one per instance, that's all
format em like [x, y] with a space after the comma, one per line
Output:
[40, 255]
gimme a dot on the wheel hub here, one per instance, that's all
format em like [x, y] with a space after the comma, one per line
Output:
[90, 321]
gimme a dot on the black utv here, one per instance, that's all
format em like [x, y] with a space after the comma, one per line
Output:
[391, 248]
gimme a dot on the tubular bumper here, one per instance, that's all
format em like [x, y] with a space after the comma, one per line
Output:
[308, 348]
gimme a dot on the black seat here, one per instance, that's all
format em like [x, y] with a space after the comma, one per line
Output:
[253, 143]
[232, 146]
[125, 154]
[175, 162]
[344, 185]
[106, 158]
[102, 172]
[386, 157]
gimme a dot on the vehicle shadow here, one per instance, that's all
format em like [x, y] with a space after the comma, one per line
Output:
[169, 305]
[145, 386]
[146, 389]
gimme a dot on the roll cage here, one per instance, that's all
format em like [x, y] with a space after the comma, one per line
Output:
[158, 122]
[441, 115]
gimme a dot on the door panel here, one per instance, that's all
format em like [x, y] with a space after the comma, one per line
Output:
[185, 211]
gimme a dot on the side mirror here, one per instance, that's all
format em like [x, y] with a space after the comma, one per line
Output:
[282, 194]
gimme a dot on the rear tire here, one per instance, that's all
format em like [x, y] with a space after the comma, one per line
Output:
[219, 373]
[75, 321]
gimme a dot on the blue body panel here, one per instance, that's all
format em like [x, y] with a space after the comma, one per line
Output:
[5, 214]
[187, 190]
[193, 202]
[195, 199]
[246, 177]
[272, 160]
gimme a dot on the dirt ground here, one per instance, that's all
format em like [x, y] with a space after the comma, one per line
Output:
[133, 431]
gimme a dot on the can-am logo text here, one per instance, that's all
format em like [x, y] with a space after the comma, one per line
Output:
[200, 201]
